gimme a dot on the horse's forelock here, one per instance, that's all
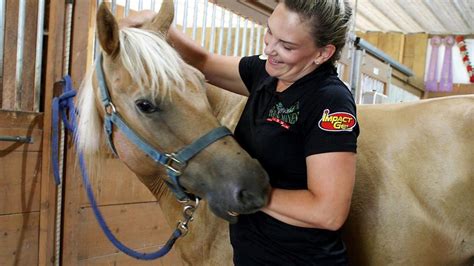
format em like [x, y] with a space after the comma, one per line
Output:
[153, 64]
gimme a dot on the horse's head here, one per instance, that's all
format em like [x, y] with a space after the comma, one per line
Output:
[163, 100]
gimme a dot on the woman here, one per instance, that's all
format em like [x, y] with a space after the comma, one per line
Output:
[300, 123]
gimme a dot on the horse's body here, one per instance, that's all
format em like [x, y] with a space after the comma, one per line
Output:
[413, 203]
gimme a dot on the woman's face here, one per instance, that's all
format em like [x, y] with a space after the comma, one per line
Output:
[289, 46]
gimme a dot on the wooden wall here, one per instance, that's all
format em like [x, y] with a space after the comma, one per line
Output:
[20, 177]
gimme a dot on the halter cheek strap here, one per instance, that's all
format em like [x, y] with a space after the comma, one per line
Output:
[174, 162]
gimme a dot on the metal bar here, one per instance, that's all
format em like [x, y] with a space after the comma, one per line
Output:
[204, 21]
[212, 43]
[19, 54]
[114, 7]
[252, 38]
[243, 50]
[236, 39]
[96, 40]
[140, 5]
[185, 16]
[221, 31]
[229, 33]
[2, 33]
[39, 55]
[127, 8]
[355, 75]
[152, 5]
[361, 43]
[22, 139]
[259, 40]
[195, 18]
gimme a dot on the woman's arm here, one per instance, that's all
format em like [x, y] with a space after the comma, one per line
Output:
[326, 203]
[221, 71]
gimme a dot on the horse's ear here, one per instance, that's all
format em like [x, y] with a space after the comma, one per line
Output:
[162, 21]
[108, 31]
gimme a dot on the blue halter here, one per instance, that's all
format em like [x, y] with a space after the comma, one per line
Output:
[174, 162]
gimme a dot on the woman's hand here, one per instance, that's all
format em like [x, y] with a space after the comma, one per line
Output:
[137, 19]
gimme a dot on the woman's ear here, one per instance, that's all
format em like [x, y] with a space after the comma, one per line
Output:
[325, 53]
[108, 31]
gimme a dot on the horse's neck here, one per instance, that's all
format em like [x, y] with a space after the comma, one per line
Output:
[226, 106]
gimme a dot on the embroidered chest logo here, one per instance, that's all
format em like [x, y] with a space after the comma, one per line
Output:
[284, 116]
[339, 121]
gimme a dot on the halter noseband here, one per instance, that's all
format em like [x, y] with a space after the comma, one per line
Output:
[174, 162]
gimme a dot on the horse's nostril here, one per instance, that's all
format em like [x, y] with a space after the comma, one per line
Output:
[244, 196]
[250, 199]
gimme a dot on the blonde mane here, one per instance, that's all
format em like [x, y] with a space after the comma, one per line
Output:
[154, 66]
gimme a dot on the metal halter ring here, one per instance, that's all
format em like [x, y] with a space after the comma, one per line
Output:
[173, 160]
[110, 108]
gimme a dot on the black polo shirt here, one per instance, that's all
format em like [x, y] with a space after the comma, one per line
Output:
[316, 114]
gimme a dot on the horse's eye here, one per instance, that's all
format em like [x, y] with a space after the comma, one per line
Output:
[146, 106]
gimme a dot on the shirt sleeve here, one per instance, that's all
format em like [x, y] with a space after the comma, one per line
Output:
[333, 125]
[252, 69]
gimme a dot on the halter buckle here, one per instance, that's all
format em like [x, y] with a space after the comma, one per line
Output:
[173, 160]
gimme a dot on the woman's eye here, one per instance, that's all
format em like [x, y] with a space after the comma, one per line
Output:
[146, 106]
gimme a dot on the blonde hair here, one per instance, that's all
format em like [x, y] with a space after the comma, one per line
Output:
[329, 20]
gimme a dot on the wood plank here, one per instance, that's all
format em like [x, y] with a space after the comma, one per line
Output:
[20, 182]
[14, 119]
[414, 55]
[118, 259]
[138, 226]
[82, 43]
[392, 44]
[371, 37]
[55, 16]
[20, 124]
[10, 146]
[19, 239]
[458, 89]
[116, 184]
[375, 68]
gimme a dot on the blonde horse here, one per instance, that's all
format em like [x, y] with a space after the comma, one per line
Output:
[142, 82]
[413, 203]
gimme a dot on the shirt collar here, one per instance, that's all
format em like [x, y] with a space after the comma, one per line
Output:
[300, 87]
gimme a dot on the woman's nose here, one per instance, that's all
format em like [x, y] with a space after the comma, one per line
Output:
[269, 47]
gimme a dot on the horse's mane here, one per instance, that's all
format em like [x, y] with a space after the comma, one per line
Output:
[154, 66]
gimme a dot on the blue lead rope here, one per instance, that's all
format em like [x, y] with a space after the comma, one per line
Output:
[61, 106]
